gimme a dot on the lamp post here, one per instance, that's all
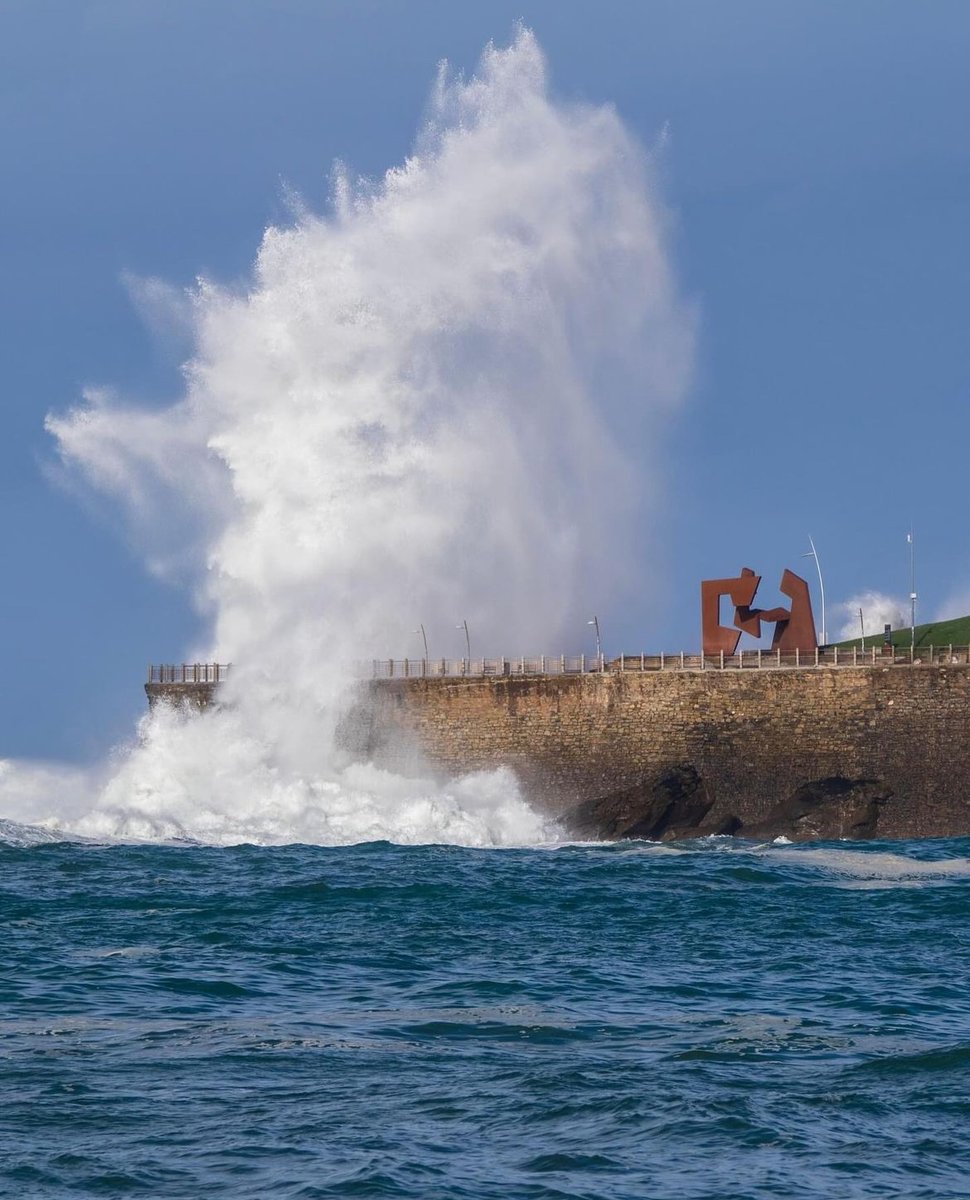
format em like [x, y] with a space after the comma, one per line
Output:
[813, 553]
[424, 638]
[911, 539]
[468, 641]
[599, 649]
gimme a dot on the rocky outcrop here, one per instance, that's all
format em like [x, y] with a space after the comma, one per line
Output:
[680, 804]
[825, 809]
[673, 805]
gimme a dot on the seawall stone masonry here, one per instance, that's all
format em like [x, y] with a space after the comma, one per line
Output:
[849, 752]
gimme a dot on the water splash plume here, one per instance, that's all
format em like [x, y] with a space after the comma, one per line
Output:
[412, 414]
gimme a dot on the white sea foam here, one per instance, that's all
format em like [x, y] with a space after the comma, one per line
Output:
[412, 414]
[874, 868]
[13, 833]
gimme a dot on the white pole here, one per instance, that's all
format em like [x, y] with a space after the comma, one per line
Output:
[911, 538]
[599, 650]
[813, 553]
[468, 641]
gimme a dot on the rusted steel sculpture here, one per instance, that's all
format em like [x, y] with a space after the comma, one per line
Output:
[794, 627]
[742, 591]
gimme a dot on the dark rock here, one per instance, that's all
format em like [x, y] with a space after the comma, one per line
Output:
[825, 809]
[671, 805]
[726, 828]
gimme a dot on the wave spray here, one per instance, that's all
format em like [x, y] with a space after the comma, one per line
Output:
[412, 415]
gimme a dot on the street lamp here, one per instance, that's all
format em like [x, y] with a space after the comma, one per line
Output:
[424, 638]
[468, 641]
[911, 538]
[813, 553]
[596, 625]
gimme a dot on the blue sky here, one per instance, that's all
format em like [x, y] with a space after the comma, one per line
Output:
[816, 168]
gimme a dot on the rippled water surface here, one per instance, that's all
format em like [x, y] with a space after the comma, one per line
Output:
[706, 1020]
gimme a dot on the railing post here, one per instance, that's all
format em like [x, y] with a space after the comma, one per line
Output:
[582, 664]
[797, 663]
[873, 655]
[816, 655]
[779, 655]
[681, 660]
[722, 660]
[759, 658]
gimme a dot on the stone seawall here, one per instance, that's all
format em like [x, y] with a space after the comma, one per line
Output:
[181, 695]
[856, 752]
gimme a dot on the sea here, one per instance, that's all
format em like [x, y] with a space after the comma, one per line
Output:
[712, 1018]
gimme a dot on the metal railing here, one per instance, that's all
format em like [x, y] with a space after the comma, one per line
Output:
[182, 673]
[583, 664]
[743, 660]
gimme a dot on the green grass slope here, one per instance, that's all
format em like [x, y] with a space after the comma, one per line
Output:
[936, 633]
